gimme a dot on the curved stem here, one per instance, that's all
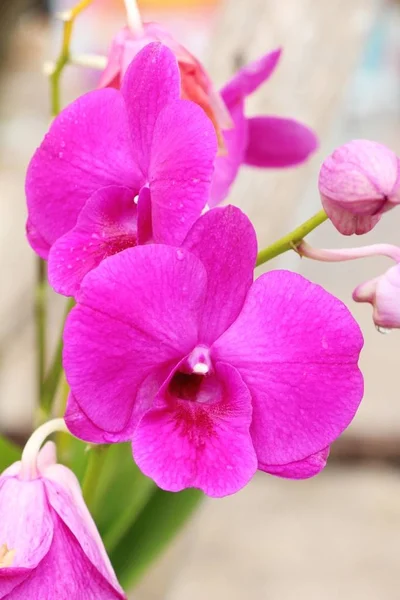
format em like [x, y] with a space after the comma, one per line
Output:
[64, 56]
[93, 471]
[343, 254]
[291, 239]
[33, 445]
[133, 17]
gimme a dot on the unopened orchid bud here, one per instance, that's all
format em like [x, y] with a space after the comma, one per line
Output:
[196, 85]
[358, 183]
[384, 294]
[49, 544]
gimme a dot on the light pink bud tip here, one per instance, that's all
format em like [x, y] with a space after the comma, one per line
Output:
[358, 183]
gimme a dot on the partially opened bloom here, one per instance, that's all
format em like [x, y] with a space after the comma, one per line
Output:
[265, 141]
[384, 294]
[261, 141]
[49, 544]
[196, 84]
[209, 374]
[109, 148]
[358, 183]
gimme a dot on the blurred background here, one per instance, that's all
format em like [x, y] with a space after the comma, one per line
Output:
[337, 535]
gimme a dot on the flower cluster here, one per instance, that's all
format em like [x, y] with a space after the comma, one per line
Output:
[171, 345]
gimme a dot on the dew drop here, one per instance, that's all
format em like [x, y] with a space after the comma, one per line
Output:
[69, 266]
[60, 154]
[180, 255]
[383, 330]
[62, 144]
[136, 199]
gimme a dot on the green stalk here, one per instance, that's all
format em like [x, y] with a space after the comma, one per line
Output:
[161, 519]
[93, 472]
[289, 241]
[51, 382]
[40, 324]
[64, 56]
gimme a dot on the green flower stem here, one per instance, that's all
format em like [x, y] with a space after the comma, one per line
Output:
[93, 472]
[289, 241]
[64, 56]
[54, 374]
[40, 324]
[161, 519]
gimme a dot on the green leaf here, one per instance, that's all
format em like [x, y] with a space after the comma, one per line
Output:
[121, 493]
[9, 453]
[160, 520]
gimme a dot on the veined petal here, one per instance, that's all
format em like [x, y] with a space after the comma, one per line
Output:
[26, 528]
[227, 165]
[88, 147]
[151, 82]
[301, 469]
[182, 164]
[250, 77]
[297, 348]
[137, 311]
[278, 142]
[65, 497]
[225, 241]
[206, 445]
[65, 573]
[106, 225]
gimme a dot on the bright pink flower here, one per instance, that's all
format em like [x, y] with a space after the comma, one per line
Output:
[209, 374]
[384, 294]
[196, 85]
[107, 148]
[49, 544]
[271, 142]
[358, 183]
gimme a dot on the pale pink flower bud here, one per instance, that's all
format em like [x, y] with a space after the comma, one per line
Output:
[357, 183]
[49, 544]
[384, 294]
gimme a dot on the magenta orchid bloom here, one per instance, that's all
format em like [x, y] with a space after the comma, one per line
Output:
[384, 294]
[50, 547]
[108, 148]
[266, 141]
[210, 374]
[358, 183]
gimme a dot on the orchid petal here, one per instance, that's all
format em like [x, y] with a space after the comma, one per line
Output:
[277, 142]
[202, 445]
[105, 226]
[296, 347]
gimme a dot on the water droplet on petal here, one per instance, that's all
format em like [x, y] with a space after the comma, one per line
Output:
[60, 154]
[383, 330]
[180, 254]
[136, 199]
[69, 266]
[62, 144]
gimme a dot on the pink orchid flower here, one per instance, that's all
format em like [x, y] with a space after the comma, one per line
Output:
[358, 183]
[384, 294]
[108, 148]
[271, 142]
[211, 375]
[49, 544]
